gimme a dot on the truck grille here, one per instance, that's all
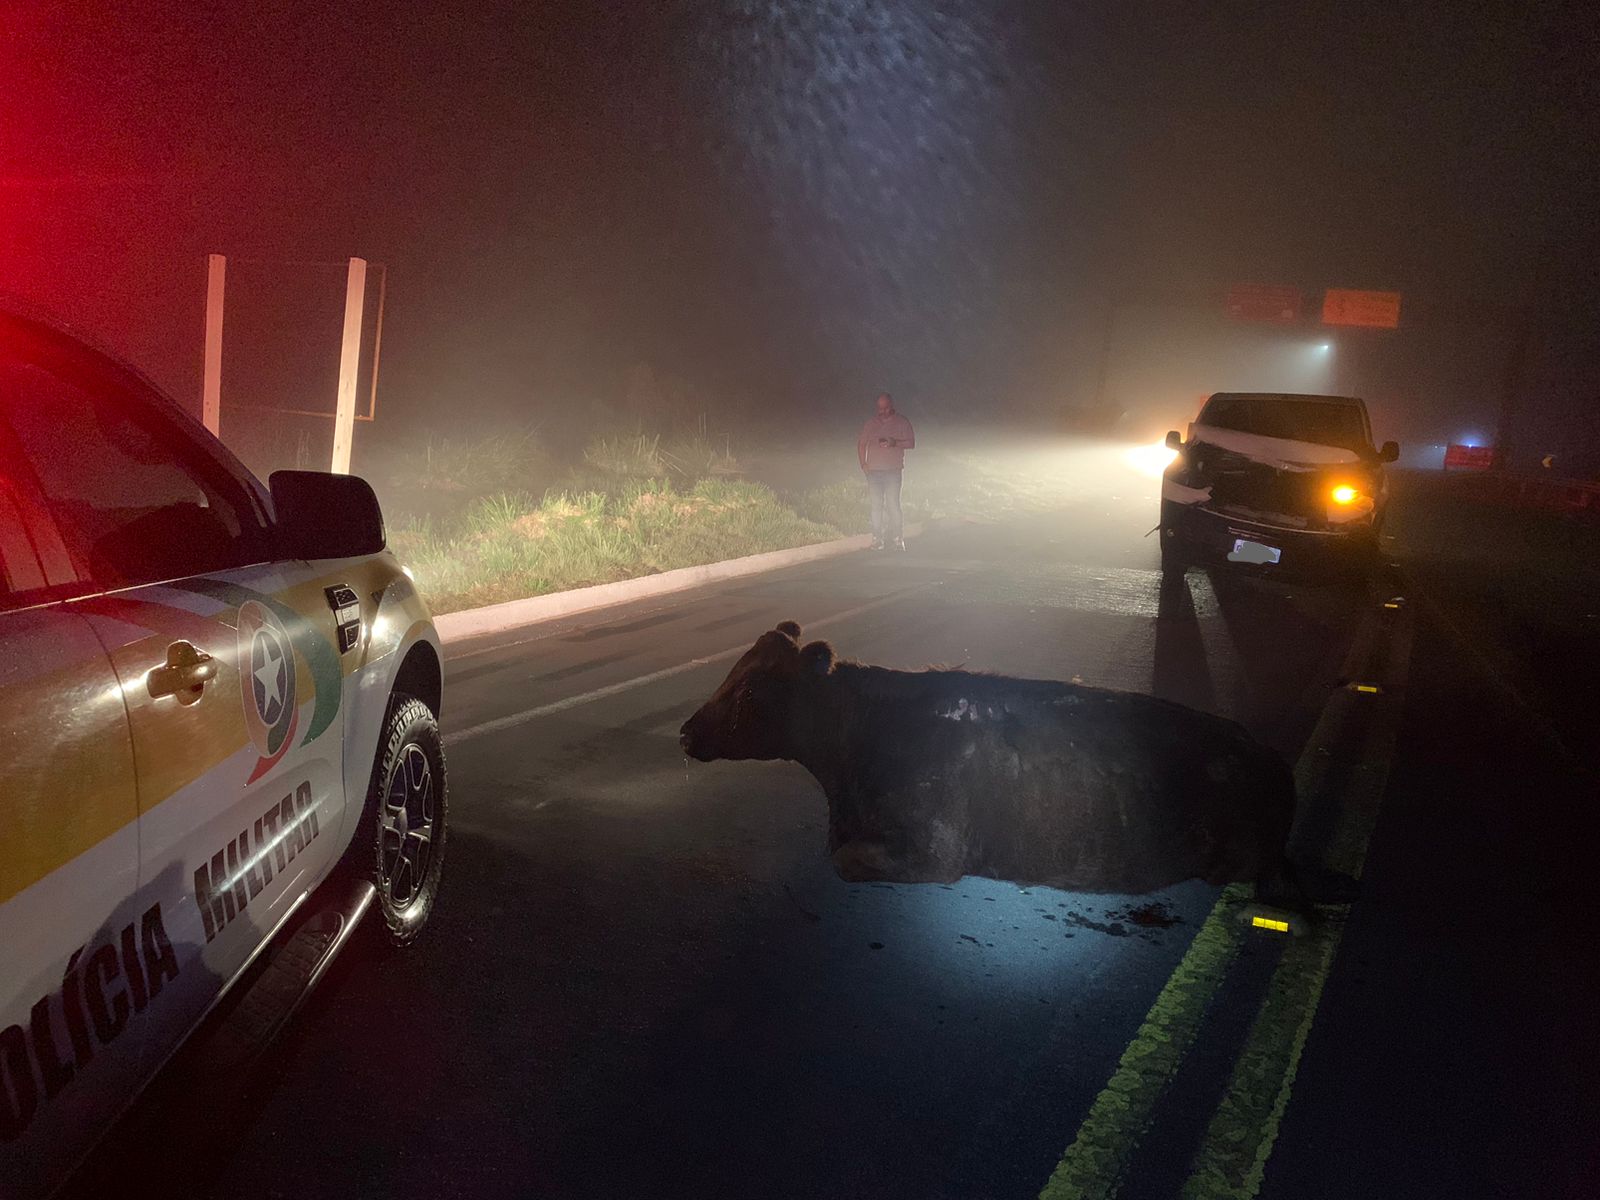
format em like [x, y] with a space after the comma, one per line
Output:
[1253, 490]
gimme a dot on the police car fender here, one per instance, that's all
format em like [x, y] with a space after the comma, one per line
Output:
[398, 626]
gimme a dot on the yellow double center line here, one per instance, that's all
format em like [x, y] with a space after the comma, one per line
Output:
[1232, 1158]
[1093, 1163]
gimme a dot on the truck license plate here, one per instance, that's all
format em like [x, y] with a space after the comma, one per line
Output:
[1246, 551]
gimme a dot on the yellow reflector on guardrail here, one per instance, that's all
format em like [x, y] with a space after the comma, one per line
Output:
[1271, 923]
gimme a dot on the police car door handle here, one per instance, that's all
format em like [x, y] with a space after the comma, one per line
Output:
[187, 671]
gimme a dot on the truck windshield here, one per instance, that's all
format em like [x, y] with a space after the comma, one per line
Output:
[1301, 419]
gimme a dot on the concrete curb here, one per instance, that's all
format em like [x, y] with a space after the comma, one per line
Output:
[514, 614]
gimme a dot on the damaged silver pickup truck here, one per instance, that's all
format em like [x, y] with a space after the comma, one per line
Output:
[1268, 479]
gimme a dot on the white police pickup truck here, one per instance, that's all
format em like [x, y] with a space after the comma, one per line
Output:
[218, 723]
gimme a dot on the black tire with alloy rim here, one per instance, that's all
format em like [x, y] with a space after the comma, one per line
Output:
[1174, 553]
[400, 845]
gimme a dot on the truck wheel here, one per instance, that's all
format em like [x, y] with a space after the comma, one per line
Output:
[399, 845]
[1174, 553]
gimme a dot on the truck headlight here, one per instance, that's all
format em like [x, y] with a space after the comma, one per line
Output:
[1348, 504]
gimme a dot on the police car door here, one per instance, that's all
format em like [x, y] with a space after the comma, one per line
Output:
[226, 658]
[82, 952]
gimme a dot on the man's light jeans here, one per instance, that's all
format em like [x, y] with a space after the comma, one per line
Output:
[884, 489]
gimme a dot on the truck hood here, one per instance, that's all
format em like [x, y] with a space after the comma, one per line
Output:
[1279, 453]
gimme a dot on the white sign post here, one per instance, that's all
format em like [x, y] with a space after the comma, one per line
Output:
[211, 393]
[344, 416]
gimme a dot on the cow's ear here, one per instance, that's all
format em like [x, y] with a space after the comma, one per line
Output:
[776, 646]
[817, 657]
[791, 628]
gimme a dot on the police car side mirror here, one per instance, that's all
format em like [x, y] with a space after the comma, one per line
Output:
[325, 516]
[1390, 452]
[1174, 442]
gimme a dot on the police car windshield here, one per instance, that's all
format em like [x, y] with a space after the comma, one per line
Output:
[1329, 422]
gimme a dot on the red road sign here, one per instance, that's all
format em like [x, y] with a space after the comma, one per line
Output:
[1469, 458]
[1376, 310]
[1273, 302]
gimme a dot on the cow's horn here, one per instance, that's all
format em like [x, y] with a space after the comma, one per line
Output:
[791, 628]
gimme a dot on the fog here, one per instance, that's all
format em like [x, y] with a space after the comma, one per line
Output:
[1002, 213]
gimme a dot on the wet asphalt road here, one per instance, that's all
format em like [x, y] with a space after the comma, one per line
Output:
[1455, 1046]
[644, 978]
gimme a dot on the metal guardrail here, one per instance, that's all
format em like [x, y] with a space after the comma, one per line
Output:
[1573, 496]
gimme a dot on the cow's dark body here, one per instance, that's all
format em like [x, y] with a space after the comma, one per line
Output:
[931, 775]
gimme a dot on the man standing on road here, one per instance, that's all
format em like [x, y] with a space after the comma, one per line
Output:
[882, 447]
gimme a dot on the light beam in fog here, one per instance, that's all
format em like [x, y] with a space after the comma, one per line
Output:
[1150, 460]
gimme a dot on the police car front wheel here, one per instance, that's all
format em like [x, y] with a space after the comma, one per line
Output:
[402, 838]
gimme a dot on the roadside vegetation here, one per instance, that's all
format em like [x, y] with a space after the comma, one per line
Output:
[485, 519]
[649, 480]
[513, 544]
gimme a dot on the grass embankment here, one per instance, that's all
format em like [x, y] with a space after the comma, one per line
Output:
[512, 545]
[481, 521]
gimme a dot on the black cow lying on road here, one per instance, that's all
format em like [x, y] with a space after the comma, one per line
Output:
[931, 775]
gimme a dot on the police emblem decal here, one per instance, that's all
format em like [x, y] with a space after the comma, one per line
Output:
[267, 679]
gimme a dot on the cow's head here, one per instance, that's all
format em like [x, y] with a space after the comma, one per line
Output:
[752, 714]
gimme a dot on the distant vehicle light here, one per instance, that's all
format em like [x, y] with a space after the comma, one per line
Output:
[1150, 460]
[1345, 494]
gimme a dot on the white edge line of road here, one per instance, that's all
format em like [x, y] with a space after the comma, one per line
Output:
[511, 720]
[515, 614]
